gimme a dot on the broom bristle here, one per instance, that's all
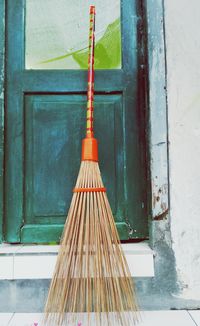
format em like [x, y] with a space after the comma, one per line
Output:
[91, 273]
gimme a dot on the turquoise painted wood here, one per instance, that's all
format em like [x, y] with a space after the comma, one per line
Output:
[2, 58]
[45, 121]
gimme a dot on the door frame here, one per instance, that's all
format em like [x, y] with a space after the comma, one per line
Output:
[133, 222]
[2, 79]
[156, 128]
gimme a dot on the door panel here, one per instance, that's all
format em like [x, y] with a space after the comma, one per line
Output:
[52, 159]
[45, 122]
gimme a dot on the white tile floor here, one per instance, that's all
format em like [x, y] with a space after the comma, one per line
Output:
[149, 318]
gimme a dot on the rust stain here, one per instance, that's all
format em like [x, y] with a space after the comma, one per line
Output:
[160, 206]
[161, 216]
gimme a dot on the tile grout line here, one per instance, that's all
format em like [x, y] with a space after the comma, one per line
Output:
[11, 318]
[192, 318]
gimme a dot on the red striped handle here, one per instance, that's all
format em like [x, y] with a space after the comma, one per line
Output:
[90, 90]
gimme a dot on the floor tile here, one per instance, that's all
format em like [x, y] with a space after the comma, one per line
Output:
[140, 265]
[6, 267]
[137, 248]
[5, 318]
[34, 249]
[149, 318]
[195, 315]
[166, 318]
[33, 267]
[26, 319]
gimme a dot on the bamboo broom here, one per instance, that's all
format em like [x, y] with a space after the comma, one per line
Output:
[91, 273]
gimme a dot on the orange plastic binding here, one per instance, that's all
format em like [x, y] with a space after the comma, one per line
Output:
[89, 190]
[92, 9]
[89, 149]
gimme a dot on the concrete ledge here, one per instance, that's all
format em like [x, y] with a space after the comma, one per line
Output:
[38, 261]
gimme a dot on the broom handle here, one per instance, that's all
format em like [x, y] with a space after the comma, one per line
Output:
[90, 90]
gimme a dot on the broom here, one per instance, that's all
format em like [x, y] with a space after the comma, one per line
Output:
[91, 272]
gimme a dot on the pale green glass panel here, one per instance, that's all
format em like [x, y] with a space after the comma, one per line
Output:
[57, 34]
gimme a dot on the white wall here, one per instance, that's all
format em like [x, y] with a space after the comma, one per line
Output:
[182, 28]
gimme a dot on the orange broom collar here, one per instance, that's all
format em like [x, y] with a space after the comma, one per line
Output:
[89, 189]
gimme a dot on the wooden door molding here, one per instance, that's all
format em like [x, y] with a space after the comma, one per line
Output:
[2, 74]
[54, 82]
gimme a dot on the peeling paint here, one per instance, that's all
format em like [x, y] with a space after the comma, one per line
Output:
[159, 201]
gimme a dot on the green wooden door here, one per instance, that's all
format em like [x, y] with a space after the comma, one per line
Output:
[45, 112]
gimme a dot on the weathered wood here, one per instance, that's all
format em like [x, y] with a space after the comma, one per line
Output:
[158, 111]
[14, 122]
[2, 53]
[52, 81]
[165, 280]
[51, 233]
[53, 159]
[44, 134]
